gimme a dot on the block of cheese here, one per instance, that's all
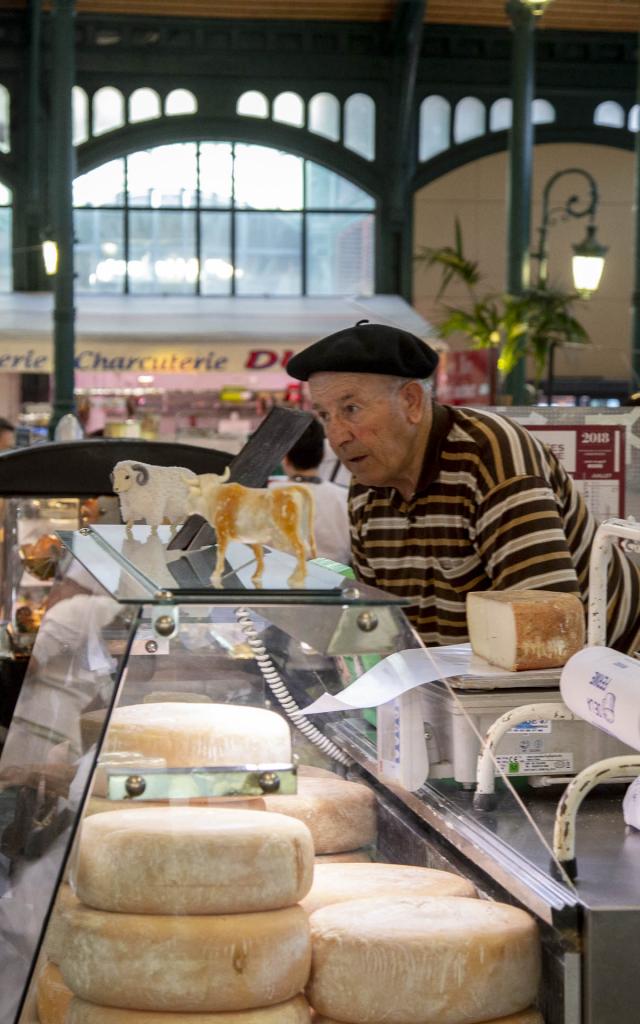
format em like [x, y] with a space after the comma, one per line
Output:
[52, 996]
[340, 815]
[197, 964]
[340, 883]
[294, 1011]
[525, 629]
[54, 939]
[192, 860]
[422, 961]
[190, 735]
[526, 1017]
[350, 857]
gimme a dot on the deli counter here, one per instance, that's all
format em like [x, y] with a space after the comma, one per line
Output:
[133, 626]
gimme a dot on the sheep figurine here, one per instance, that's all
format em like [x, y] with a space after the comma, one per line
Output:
[282, 517]
[153, 494]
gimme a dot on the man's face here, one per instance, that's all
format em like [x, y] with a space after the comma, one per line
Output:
[370, 422]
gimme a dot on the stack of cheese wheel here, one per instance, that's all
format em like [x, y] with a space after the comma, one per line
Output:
[52, 995]
[432, 960]
[186, 911]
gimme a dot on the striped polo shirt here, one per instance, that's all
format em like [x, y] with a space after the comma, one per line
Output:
[493, 510]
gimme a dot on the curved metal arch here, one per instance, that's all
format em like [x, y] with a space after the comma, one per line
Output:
[498, 142]
[193, 128]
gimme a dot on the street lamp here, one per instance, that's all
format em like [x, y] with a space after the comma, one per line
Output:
[588, 255]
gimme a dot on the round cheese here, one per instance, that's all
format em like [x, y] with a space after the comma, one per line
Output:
[352, 856]
[422, 961]
[198, 964]
[52, 996]
[195, 735]
[54, 939]
[340, 815]
[339, 883]
[314, 772]
[526, 1017]
[294, 1011]
[98, 804]
[193, 860]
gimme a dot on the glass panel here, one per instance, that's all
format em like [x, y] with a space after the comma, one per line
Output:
[328, 190]
[216, 270]
[144, 104]
[162, 249]
[324, 116]
[501, 115]
[543, 112]
[253, 104]
[469, 120]
[360, 125]
[268, 253]
[340, 250]
[80, 115]
[216, 173]
[103, 186]
[266, 179]
[289, 108]
[633, 122]
[180, 101]
[163, 176]
[6, 268]
[5, 120]
[48, 760]
[609, 114]
[435, 126]
[108, 110]
[99, 250]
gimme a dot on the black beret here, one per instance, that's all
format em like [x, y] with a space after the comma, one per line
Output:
[366, 348]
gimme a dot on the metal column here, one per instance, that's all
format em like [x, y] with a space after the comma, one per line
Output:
[635, 299]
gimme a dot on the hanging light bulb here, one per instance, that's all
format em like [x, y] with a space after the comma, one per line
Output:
[588, 262]
[537, 7]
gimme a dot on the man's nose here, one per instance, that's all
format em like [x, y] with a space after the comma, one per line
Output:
[338, 433]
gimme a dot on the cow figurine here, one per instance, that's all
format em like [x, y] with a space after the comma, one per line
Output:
[151, 493]
[282, 518]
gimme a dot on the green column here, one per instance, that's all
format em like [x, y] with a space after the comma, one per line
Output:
[520, 169]
[635, 300]
[62, 81]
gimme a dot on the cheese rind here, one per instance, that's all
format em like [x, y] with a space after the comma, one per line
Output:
[342, 883]
[525, 629]
[54, 939]
[340, 815]
[193, 860]
[294, 1011]
[526, 1017]
[430, 961]
[98, 804]
[52, 996]
[352, 856]
[199, 964]
[193, 735]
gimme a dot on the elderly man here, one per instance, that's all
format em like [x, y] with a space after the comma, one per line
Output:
[446, 500]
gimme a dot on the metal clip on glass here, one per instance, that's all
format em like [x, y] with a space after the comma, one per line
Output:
[248, 780]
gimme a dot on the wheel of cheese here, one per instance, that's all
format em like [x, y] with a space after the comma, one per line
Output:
[294, 1011]
[422, 961]
[195, 735]
[98, 804]
[526, 1017]
[193, 860]
[312, 771]
[340, 883]
[54, 939]
[352, 856]
[198, 964]
[340, 815]
[52, 996]
[525, 629]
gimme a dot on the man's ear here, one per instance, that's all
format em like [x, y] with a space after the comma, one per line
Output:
[414, 399]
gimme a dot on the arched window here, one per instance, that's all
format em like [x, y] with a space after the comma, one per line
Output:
[5, 116]
[253, 104]
[360, 125]
[79, 115]
[180, 101]
[289, 109]
[6, 268]
[501, 115]
[222, 218]
[469, 119]
[324, 116]
[633, 120]
[543, 112]
[144, 104]
[108, 110]
[435, 127]
[609, 114]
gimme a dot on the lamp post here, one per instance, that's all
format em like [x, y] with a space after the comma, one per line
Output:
[588, 255]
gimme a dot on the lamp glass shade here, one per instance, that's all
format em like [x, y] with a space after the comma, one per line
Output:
[50, 257]
[588, 262]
